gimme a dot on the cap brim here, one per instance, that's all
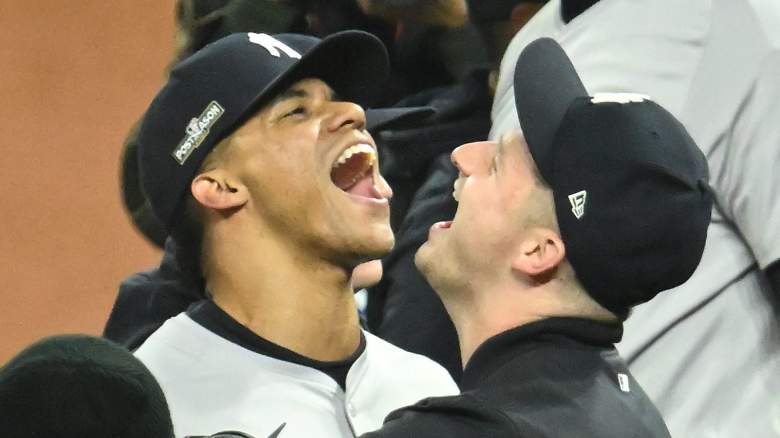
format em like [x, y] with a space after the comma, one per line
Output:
[546, 84]
[378, 119]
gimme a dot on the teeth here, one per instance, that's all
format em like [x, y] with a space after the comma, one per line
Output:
[356, 149]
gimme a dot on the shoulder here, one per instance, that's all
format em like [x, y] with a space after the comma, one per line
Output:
[454, 416]
[398, 377]
[179, 339]
[766, 14]
[381, 352]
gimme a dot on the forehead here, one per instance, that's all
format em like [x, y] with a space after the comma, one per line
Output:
[513, 142]
[513, 145]
[307, 87]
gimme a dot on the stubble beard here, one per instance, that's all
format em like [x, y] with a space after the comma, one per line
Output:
[436, 271]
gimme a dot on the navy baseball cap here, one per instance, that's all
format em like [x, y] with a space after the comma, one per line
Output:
[211, 93]
[629, 184]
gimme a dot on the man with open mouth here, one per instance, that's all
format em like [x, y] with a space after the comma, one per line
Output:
[597, 204]
[255, 157]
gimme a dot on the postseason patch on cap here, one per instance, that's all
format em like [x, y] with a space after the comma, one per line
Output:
[197, 131]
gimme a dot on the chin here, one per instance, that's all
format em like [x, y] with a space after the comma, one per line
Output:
[424, 259]
[434, 268]
[382, 247]
[383, 239]
[374, 246]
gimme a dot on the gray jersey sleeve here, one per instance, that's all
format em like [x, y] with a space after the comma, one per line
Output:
[749, 186]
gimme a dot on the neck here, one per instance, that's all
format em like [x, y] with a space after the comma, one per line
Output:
[477, 322]
[283, 294]
[478, 315]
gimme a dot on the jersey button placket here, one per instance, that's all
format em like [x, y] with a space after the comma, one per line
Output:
[351, 411]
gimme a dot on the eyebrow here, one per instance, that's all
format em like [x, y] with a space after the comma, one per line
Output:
[296, 93]
[290, 93]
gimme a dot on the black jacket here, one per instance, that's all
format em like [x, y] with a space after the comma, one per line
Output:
[559, 377]
[147, 299]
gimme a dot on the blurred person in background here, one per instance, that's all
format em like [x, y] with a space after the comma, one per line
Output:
[708, 353]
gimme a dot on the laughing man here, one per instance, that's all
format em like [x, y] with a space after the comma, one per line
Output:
[255, 156]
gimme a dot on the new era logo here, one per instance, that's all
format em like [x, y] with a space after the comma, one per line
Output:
[577, 201]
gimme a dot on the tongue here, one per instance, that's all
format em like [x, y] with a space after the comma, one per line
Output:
[364, 187]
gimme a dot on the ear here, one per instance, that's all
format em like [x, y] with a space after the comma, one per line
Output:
[214, 190]
[539, 253]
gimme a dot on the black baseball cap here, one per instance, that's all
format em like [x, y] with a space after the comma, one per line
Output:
[211, 93]
[629, 184]
[80, 386]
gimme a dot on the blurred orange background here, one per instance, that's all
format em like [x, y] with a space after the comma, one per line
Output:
[74, 76]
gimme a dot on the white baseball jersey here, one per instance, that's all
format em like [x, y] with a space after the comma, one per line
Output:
[708, 352]
[212, 385]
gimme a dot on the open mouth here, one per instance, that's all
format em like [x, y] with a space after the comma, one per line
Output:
[352, 171]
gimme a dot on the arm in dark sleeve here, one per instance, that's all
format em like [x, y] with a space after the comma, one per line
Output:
[773, 274]
[436, 12]
[446, 417]
[147, 299]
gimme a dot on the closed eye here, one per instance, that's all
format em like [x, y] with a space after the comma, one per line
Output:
[296, 111]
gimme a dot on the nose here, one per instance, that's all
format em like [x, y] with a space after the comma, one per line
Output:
[346, 114]
[473, 157]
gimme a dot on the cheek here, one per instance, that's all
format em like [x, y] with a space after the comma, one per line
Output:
[288, 164]
[482, 220]
[285, 186]
[479, 200]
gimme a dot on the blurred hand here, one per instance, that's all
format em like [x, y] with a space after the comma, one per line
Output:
[367, 274]
[449, 13]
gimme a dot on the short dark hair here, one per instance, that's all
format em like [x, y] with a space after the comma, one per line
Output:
[188, 235]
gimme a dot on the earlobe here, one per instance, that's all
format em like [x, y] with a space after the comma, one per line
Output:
[540, 254]
[213, 190]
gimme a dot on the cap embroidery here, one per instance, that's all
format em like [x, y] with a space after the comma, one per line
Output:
[619, 97]
[273, 45]
[196, 131]
[577, 201]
